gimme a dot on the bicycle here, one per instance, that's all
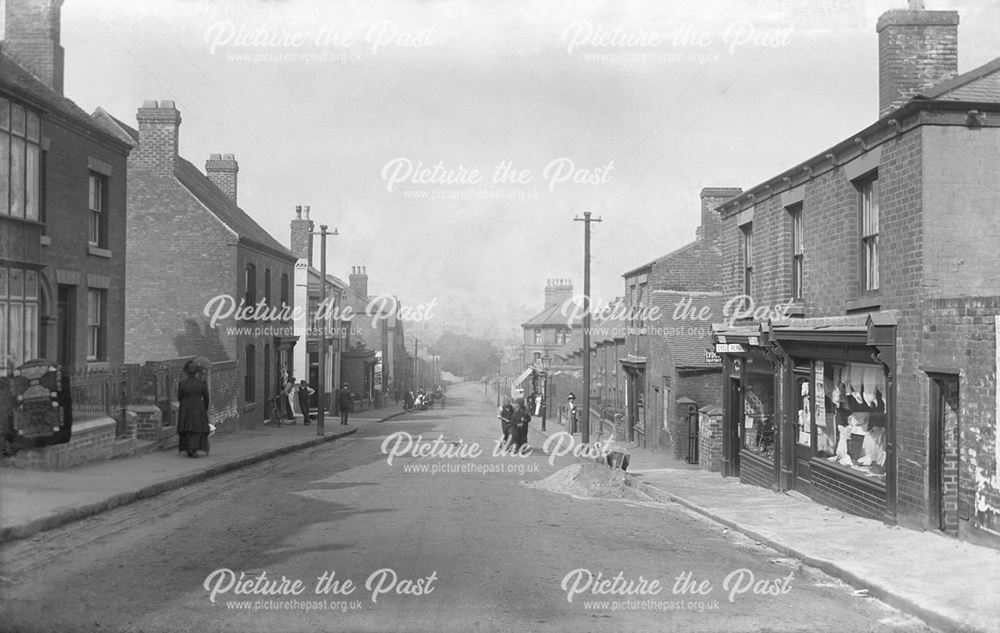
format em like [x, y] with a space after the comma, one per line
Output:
[275, 411]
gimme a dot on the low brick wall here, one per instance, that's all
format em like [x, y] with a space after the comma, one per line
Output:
[92, 440]
[710, 440]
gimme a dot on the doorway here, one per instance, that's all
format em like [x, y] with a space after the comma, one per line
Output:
[802, 393]
[66, 320]
[942, 459]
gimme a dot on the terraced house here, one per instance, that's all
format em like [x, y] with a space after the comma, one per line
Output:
[190, 245]
[875, 391]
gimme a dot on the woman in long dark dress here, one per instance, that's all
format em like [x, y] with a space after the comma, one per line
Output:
[192, 414]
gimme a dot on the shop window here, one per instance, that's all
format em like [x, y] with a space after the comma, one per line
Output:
[851, 417]
[758, 414]
[798, 254]
[869, 195]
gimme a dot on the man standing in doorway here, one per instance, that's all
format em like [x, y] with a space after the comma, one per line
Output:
[345, 401]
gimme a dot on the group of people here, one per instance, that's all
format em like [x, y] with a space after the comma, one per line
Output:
[302, 391]
[423, 400]
[514, 417]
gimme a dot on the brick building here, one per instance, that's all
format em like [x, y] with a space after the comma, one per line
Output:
[62, 207]
[861, 370]
[666, 360]
[192, 249]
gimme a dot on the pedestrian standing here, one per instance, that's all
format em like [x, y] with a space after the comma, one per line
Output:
[192, 412]
[286, 397]
[519, 425]
[506, 415]
[304, 392]
[345, 401]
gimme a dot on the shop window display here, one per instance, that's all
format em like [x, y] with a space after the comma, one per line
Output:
[758, 415]
[851, 418]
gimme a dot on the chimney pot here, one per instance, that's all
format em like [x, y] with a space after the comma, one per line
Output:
[305, 211]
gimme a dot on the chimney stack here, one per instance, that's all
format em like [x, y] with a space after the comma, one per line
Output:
[358, 280]
[917, 49]
[222, 170]
[32, 38]
[558, 291]
[301, 243]
[711, 222]
[158, 125]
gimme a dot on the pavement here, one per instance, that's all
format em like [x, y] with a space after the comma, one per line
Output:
[32, 501]
[950, 584]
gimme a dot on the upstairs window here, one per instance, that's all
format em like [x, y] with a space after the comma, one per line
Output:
[538, 336]
[868, 190]
[798, 254]
[98, 203]
[96, 325]
[250, 284]
[20, 161]
[748, 260]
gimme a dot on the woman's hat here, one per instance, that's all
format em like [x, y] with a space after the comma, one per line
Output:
[571, 396]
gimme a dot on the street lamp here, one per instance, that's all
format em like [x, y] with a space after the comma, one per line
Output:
[546, 363]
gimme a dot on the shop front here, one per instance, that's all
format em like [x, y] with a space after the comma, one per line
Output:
[839, 448]
[809, 407]
[749, 410]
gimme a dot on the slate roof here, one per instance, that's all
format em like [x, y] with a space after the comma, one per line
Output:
[16, 80]
[979, 84]
[688, 350]
[551, 316]
[205, 191]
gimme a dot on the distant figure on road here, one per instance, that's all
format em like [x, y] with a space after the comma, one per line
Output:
[304, 392]
[345, 400]
[439, 395]
[408, 400]
[192, 413]
[571, 412]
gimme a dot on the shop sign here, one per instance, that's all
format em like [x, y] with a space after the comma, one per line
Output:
[753, 340]
[729, 348]
[712, 357]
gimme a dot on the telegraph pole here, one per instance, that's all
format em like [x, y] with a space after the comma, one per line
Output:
[586, 219]
[321, 391]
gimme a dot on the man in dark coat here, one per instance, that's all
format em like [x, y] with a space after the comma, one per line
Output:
[519, 425]
[345, 402]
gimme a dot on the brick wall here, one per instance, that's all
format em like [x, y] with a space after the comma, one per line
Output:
[710, 430]
[958, 336]
[93, 440]
[164, 315]
[67, 187]
[225, 396]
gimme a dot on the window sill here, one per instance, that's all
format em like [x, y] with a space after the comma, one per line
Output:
[98, 252]
[46, 240]
[249, 407]
[97, 364]
[795, 309]
[873, 302]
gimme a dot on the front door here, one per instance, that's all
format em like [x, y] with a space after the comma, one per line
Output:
[803, 413]
[66, 319]
[733, 433]
[943, 458]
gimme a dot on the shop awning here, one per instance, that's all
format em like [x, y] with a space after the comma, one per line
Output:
[875, 328]
[524, 375]
[736, 339]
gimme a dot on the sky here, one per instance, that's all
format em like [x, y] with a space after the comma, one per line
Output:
[452, 143]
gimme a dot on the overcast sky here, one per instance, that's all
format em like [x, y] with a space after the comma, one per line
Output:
[349, 107]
